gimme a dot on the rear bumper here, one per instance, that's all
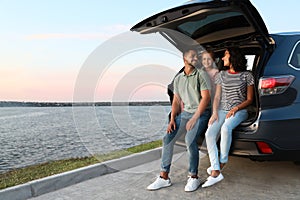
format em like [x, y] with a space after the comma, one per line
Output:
[282, 136]
[250, 150]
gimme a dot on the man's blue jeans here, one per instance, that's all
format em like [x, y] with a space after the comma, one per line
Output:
[191, 137]
[212, 134]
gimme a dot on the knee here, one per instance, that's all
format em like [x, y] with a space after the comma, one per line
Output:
[190, 140]
[226, 130]
[209, 135]
[166, 139]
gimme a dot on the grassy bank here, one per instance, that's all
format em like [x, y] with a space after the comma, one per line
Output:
[24, 175]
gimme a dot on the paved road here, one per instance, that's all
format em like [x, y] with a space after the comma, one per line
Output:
[244, 179]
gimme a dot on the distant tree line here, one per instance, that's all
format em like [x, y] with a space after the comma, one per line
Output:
[68, 104]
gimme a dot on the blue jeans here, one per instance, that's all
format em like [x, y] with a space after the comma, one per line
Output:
[191, 137]
[212, 134]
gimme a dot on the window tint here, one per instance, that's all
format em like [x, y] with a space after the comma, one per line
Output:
[294, 60]
[213, 23]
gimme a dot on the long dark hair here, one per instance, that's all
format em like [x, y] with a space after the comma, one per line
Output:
[237, 59]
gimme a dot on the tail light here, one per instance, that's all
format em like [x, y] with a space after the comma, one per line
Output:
[275, 85]
[264, 148]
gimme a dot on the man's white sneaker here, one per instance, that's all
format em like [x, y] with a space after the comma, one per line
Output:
[159, 183]
[192, 184]
[213, 180]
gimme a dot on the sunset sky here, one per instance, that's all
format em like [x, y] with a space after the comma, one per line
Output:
[44, 46]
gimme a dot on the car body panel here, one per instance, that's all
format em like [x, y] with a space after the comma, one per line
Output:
[279, 117]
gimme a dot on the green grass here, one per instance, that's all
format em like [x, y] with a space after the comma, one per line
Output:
[24, 175]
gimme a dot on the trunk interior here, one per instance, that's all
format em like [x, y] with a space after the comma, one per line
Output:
[256, 54]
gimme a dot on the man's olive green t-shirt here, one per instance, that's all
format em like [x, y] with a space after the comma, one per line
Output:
[189, 87]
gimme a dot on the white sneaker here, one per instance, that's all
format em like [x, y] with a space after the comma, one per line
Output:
[213, 180]
[192, 184]
[159, 183]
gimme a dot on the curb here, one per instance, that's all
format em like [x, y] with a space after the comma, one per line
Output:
[59, 181]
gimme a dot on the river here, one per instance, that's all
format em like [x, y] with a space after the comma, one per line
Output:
[32, 135]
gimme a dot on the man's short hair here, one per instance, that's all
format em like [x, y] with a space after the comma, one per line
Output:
[186, 50]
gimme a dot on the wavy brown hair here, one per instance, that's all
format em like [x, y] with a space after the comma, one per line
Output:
[237, 59]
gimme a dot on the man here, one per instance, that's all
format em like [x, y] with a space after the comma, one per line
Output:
[191, 87]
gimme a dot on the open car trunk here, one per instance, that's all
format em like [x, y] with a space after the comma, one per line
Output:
[216, 25]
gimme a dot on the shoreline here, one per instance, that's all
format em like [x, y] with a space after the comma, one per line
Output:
[75, 104]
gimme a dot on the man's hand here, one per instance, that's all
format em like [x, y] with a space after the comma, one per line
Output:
[190, 124]
[171, 126]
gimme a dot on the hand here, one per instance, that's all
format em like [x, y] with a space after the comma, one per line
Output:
[190, 124]
[213, 118]
[232, 112]
[171, 126]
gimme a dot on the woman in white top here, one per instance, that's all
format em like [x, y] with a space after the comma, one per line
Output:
[208, 63]
[207, 59]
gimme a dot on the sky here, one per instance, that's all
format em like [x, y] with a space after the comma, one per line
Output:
[44, 46]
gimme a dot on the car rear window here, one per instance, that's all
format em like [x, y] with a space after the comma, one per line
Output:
[213, 23]
[294, 60]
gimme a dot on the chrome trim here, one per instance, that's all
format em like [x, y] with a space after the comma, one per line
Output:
[291, 55]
